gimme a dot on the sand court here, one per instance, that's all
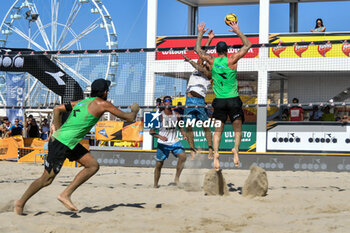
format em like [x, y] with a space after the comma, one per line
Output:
[121, 199]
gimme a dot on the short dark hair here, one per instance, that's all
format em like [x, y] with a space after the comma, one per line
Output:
[167, 97]
[99, 86]
[296, 100]
[221, 47]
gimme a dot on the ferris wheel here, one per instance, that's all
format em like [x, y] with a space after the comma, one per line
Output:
[59, 25]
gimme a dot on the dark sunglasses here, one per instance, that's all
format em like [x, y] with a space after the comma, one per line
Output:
[168, 100]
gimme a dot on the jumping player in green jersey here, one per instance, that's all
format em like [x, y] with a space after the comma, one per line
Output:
[224, 74]
[64, 142]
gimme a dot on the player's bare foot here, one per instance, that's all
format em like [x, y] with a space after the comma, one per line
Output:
[210, 154]
[156, 186]
[216, 161]
[18, 208]
[67, 202]
[193, 155]
[177, 181]
[235, 157]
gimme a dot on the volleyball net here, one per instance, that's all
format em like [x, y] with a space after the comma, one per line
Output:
[315, 72]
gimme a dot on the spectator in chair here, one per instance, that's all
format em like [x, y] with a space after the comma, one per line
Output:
[327, 115]
[296, 112]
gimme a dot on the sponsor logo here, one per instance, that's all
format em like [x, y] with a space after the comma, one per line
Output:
[323, 49]
[57, 76]
[191, 123]
[346, 49]
[278, 49]
[299, 49]
[151, 120]
[103, 133]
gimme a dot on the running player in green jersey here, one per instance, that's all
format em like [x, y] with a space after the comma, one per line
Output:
[64, 142]
[227, 102]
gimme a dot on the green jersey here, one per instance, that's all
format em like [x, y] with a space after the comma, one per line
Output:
[78, 124]
[225, 79]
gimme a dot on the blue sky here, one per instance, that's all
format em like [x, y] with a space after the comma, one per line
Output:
[130, 18]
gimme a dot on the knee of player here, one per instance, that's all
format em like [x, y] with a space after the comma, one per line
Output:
[182, 156]
[48, 181]
[95, 166]
[159, 164]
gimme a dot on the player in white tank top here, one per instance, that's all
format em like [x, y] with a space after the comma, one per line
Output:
[197, 88]
[168, 129]
[168, 141]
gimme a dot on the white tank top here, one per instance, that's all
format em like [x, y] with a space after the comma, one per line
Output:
[168, 129]
[198, 83]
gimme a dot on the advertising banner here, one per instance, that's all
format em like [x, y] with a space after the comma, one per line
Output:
[310, 137]
[190, 41]
[324, 50]
[133, 132]
[109, 130]
[9, 148]
[119, 130]
[45, 70]
[248, 142]
[15, 83]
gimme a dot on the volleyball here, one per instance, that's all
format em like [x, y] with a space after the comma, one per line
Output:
[230, 17]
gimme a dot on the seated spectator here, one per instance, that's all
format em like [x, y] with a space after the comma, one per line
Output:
[284, 116]
[5, 127]
[345, 119]
[296, 112]
[45, 130]
[17, 128]
[319, 26]
[327, 115]
[33, 129]
[316, 114]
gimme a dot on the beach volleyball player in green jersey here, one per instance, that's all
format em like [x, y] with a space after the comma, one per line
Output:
[227, 102]
[64, 142]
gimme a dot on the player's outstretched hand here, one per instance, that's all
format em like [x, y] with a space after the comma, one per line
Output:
[186, 58]
[211, 34]
[201, 28]
[234, 27]
[135, 107]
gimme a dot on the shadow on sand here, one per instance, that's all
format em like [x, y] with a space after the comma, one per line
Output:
[96, 209]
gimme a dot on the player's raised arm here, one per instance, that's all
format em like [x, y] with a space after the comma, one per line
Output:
[198, 49]
[198, 66]
[246, 44]
[211, 36]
